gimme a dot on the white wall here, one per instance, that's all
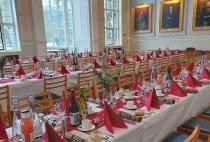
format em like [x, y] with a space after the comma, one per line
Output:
[174, 40]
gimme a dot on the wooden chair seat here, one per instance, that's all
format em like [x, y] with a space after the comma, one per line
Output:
[181, 137]
[188, 127]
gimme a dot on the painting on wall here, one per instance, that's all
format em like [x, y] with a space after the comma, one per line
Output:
[171, 16]
[142, 18]
[201, 15]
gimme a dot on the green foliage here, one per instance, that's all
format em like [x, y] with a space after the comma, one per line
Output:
[106, 77]
[2, 62]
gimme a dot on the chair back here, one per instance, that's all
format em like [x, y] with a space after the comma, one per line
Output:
[195, 134]
[182, 60]
[165, 63]
[5, 98]
[28, 67]
[8, 70]
[84, 78]
[146, 74]
[128, 69]
[174, 61]
[56, 85]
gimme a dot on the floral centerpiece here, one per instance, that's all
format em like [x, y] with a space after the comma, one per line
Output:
[106, 77]
[2, 63]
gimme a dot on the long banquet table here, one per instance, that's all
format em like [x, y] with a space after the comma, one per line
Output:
[163, 121]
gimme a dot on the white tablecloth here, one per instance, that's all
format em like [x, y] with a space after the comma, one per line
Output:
[164, 120]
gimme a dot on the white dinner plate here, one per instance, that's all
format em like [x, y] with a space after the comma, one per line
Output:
[86, 129]
[130, 108]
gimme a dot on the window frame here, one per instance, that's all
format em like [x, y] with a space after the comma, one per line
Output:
[14, 25]
[114, 27]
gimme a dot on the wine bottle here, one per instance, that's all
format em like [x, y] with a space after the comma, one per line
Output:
[74, 110]
[82, 104]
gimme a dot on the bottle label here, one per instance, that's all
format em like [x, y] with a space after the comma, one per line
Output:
[75, 118]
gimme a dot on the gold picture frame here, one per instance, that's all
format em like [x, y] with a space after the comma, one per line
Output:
[171, 21]
[199, 21]
[145, 15]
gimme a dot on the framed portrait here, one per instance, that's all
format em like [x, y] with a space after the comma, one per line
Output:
[171, 16]
[142, 18]
[201, 15]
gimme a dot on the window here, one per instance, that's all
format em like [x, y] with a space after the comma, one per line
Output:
[9, 39]
[62, 27]
[112, 9]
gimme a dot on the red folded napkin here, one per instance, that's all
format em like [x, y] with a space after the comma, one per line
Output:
[176, 90]
[90, 54]
[111, 119]
[35, 59]
[15, 62]
[148, 57]
[112, 62]
[190, 67]
[79, 54]
[64, 70]
[20, 72]
[138, 58]
[191, 81]
[39, 75]
[96, 64]
[124, 61]
[177, 71]
[3, 133]
[51, 135]
[135, 86]
[205, 74]
[157, 55]
[152, 101]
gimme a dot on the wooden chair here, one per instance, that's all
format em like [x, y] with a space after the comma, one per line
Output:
[98, 89]
[182, 60]
[85, 79]
[127, 76]
[190, 125]
[5, 99]
[8, 70]
[128, 69]
[156, 62]
[43, 102]
[28, 68]
[143, 66]
[2, 116]
[146, 74]
[180, 137]
[53, 85]
[165, 63]
[173, 61]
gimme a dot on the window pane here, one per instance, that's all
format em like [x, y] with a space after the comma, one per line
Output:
[112, 22]
[9, 35]
[8, 25]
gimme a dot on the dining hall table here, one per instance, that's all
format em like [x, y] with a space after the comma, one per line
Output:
[161, 122]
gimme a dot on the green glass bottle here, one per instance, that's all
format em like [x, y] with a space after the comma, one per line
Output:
[82, 104]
